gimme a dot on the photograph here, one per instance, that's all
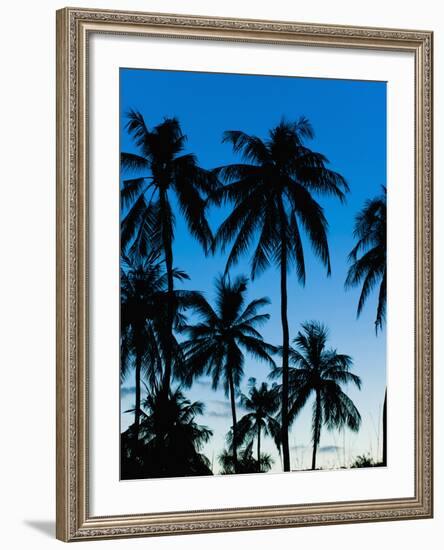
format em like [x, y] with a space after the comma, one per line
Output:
[223, 253]
[244, 268]
[253, 273]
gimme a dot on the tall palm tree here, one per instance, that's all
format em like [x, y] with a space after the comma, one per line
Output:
[371, 269]
[272, 192]
[162, 168]
[171, 440]
[216, 345]
[144, 333]
[261, 404]
[320, 371]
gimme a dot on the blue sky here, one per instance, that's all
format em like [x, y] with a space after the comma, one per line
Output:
[349, 120]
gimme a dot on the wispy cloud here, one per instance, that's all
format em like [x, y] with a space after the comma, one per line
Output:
[218, 414]
[220, 404]
[225, 405]
[127, 390]
[298, 447]
[324, 449]
[203, 383]
[218, 408]
[330, 449]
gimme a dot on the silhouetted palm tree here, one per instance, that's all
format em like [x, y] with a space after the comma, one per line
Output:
[171, 439]
[141, 283]
[162, 169]
[144, 334]
[321, 371]
[273, 202]
[216, 345]
[261, 404]
[371, 269]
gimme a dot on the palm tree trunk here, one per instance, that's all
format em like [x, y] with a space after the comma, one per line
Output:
[285, 351]
[168, 251]
[259, 446]
[316, 430]
[233, 414]
[138, 370]
[384, 431]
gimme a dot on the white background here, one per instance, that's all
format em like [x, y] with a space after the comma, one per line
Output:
[107, 495]
[27, 276]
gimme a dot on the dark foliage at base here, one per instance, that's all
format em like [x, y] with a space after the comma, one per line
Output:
[246, 464]
[169, 440]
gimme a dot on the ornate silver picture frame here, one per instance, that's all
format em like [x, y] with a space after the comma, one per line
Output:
[75, 520]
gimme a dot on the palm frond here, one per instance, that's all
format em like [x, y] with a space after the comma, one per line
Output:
[192, 206]
[252, 308]
[382, 301]
[312, 217]
[268, 242]
[296, 249]
[258, 348]
[138, 130]
[133, 162]
[131, 189]
[370, 231]
[130, 223]
[251, 148]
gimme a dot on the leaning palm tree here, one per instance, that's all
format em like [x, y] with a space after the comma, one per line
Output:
[371, 269]
[171, 440]
[261, 405]
[272, 194]
[161, 169]
[320, 371]
[144, 336]
[216, 345]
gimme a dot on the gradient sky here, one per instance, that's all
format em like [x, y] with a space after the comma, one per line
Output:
[349, 120]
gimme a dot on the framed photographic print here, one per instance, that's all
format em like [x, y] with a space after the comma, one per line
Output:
[244, 274]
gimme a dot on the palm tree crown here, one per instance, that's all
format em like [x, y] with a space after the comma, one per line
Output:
[216, 345]
[272, 196]
[162, 166]
[272, 201]
[371, 267]
[320, 371]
